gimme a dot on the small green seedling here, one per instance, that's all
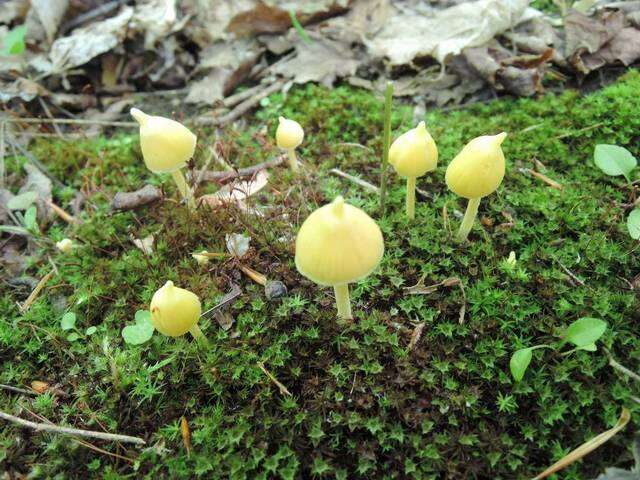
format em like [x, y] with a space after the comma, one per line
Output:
[582, 333]
[141, 331]
[13, 43]
[68, 322]
[27, 222]
[614, 160]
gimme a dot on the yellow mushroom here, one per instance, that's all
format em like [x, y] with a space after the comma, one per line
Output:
[477, 171]
[175, 311]
[65, 245]
[413, 154]
[289, 136]
[166, 146]
[338, 244]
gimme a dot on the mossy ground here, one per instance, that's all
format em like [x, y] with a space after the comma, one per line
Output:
[363, 405]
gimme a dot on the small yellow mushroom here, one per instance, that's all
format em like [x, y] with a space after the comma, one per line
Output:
[166, 146]
[477, 171]
[289, 136]
[413, 154]
[338, 244]
[175, 311]
[201, 258]
[65, 245]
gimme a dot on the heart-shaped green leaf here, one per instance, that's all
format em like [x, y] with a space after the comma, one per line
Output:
[519, 362]
[141, 331]
[614, 160]
[68, 321]
[633, 224]
[585, 331]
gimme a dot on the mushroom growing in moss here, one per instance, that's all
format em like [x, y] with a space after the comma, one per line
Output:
[338, 244]
[166, 146]
[289, 136]
[477, 171]
[175, 311]
[413, 154]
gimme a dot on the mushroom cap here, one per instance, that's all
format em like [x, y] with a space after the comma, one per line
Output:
[478, 169]
[414, 153]
[166, 144]
[65, 245]
[174, 310]
[289, 134]
[338, 244]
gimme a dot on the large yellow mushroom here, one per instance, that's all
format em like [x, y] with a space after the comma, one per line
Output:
[166, 146]
[338, 244]
[175, 311]
[289, 136]
[477, 171]
[413, 154]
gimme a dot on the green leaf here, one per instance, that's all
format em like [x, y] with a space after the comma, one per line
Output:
[30, 219]
[68, 321]
[14, 41]
[519, 362]
[141, 332]
[614, 160]
[585, 331]
[15, 230]
[22, 201]
[592, 347]
[633, 224]
[73, 336]
[91, 330]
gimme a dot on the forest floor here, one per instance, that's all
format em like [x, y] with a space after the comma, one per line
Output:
[367, 399]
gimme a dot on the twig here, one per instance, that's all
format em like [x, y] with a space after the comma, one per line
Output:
[48, 112]
[17, 390]
[386, 141]
[227, 299]
[281, 387]
[356, 180]
[582, 130]
[61, 213]
[621, 368]
[353, 144]
[415, 335]
[73, 121]
[242, 107]
[3, 126]
[241, 172]
[205, 167]
[543, 177]
[36, 291]
[570, 273]
[44, 427]
[90, 15]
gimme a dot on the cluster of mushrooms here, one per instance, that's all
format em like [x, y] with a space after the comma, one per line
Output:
[337, 244]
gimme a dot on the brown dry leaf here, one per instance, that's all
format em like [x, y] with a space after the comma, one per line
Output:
[22, 88]
[624, 48]
[224, 319]
[39, 387]
[322, 61]
[41, 184]
[237, 191]
[186, 434]
[415, 335]
[145, 244]
[13, 10]
[156, 18]
[589, 34]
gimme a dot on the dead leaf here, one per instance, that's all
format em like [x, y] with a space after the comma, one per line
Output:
[39, 387]
[224, 319]
[624, 48]
[415, 335]
[186, 434]
[237, 191]
[156, 18]
[409, 34]
[145, 244]
[237, 244]
[13, 11]
[22, 88]
[38, 182]
[589, 34]
[322, 61]
[50, 13]
[88, 42]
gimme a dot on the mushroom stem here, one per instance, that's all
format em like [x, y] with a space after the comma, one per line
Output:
[293, 160]
[185, 190]
[197, 333]
[411, 197]
[469, 217]
[342, 301]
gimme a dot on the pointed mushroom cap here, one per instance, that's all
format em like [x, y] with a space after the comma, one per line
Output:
[414, 153]
[289, 134]
[174, 310]
[338, 244]
[166, 144]
[478, 169]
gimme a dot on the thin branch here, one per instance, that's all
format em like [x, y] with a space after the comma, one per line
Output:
[356, 180]
[44, 427]
[73, 121]
[241, 172]
[281, 387]
[17, 390]
[36, 291]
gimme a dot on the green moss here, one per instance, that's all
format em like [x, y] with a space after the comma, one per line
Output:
[363, 406]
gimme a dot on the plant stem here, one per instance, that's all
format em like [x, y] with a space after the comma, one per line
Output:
[293, 160]
[469, 217]
[342, 301]
[411, 197]
[184, 189]
[386, 142]
[197, 333]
